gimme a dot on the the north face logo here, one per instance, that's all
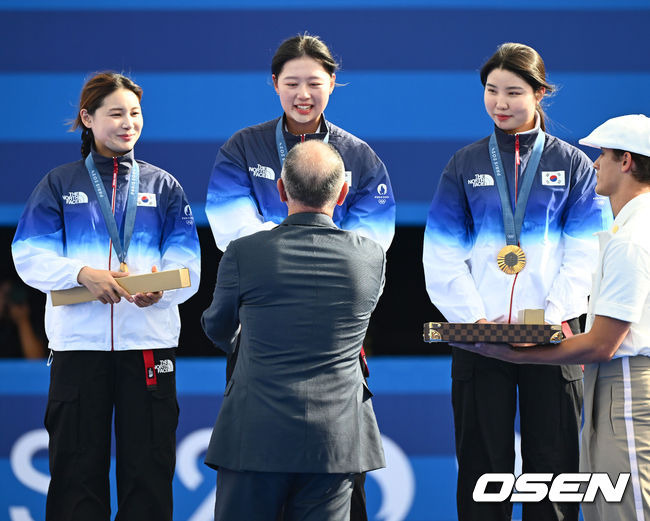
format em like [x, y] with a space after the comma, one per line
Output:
[481, 180]
[262, 171]
[75, 198]
[165, 366]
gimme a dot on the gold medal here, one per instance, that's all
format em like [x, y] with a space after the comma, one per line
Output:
[511, 259]
[123, 267]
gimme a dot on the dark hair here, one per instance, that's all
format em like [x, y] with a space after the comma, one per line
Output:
[303, 45]
[640, 165]
[523, 61]
[94, 91]
[313, 177]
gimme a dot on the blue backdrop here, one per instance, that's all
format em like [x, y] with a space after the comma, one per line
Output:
[411, 401]
[409, 76]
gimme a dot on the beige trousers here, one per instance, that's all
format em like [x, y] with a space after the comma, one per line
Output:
[616, 435]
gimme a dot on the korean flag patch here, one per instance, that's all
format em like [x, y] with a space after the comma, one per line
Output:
[554, 178]
[146, 199]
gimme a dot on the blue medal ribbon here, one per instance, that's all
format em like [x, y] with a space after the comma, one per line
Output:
[512, 223]
[281, 144]
[109, 219]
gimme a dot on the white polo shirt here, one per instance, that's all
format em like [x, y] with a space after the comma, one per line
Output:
[621, 284]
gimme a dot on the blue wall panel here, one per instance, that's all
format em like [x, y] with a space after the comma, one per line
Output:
[409, 68]
[366, 39]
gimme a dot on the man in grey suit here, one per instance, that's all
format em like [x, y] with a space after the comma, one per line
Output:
[296, 422]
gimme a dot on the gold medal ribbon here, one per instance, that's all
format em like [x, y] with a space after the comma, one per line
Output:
[511, 258]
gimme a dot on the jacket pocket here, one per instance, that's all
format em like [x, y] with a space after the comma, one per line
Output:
[164, 421]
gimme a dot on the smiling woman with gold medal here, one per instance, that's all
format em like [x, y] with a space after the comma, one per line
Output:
[510, 228]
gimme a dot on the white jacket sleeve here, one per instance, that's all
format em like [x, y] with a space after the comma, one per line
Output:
[371, 212]
[230, 206]
[448, 242]
[38, 245]
[180, 246]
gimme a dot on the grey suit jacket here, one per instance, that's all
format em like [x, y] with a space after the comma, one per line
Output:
[297, 400]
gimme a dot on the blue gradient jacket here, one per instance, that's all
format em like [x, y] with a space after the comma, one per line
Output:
[464, 233]
[243, 197]
[62, 230]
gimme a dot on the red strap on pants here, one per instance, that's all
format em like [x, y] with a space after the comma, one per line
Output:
[150, 369]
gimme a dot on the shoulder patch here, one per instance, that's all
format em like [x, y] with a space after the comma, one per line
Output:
[382, 193]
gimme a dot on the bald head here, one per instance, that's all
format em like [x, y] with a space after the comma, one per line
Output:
[313, 175]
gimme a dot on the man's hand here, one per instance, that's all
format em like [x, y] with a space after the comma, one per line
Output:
[102, 284]
[143, 300]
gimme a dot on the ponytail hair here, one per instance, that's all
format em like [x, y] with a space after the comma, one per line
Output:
[525, 62]
[94, 91]
[87, 139]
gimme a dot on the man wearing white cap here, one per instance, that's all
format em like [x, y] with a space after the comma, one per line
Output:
[616, 347]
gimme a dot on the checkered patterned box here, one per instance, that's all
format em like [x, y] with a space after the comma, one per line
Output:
[492, 333]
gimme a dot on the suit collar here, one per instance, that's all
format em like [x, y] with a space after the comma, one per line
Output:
[309, 219]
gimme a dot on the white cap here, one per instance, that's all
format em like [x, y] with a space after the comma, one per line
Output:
[630, 133]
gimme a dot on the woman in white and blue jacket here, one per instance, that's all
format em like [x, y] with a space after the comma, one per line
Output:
[242, 194]
[482, 267]
[114, 355]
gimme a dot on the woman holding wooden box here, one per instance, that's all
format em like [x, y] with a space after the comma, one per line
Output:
[89, 223]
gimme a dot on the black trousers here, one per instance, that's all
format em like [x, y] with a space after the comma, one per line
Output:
[484, 397]
[86, 388]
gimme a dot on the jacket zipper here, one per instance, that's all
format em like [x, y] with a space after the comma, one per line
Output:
[110, 248]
